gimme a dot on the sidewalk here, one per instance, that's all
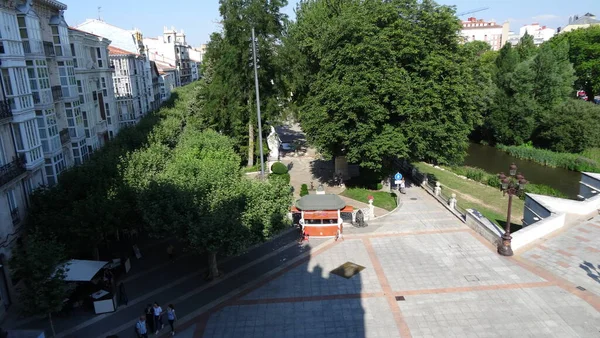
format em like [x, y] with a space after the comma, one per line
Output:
[180, 282]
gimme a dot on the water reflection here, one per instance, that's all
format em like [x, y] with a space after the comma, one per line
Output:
[493, 160]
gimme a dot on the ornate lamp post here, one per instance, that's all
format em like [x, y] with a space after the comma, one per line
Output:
[512, 185]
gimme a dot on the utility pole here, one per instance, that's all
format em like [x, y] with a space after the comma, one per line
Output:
[262, 160]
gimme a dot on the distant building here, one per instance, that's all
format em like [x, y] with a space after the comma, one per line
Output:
[584, 21]
[155, 85]
[132, 76]
[488, 31]
[168, 75]
[539, 33]
[172, 48]
[196, 56]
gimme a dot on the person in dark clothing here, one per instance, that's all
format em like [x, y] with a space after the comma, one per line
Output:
[149, 311]
[123, 299]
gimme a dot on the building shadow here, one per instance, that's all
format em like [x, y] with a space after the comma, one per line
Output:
[306, 301]
[592, 271]
[323, 171]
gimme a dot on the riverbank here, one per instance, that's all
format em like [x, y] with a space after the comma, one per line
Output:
[586, 161]
[471, 194]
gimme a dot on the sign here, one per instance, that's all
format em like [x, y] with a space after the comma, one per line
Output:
[398, 177]
[397, 182]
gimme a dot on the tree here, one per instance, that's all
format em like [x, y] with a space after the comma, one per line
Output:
[375, 80]
[229, 98]
[41, 266]
[571, 127]
[526, 47]
[584, 52]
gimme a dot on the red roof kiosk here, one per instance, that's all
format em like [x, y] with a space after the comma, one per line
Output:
[320, 215]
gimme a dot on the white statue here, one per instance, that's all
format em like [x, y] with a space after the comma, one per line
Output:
[274, 142]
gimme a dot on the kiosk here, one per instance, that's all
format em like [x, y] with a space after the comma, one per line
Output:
[320, 215]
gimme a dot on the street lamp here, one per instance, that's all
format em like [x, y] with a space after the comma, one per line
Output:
[512, 185]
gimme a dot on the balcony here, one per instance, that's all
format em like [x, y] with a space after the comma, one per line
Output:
[65, 138]
[101, 127]
[49, 49]
[57, 94]
[11, 170]
[5, 111]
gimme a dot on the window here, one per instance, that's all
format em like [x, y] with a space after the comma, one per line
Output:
[12, 200]
[3, 159]
[48, 130]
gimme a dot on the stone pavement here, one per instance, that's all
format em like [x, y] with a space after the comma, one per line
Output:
[429, 276]
[573, 254]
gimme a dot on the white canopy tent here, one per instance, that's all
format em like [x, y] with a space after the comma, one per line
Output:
[82, 270]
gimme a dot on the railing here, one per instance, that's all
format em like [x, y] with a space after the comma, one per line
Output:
[64, 136]
[49, 49]
[14, 214]
[11, 170]
[57, 93]
[5, 111]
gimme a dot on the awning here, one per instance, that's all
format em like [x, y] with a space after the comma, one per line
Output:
[82, 270]
[320, 202]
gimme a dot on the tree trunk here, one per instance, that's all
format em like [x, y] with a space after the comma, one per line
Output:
[51, 324]
[250, 144]
[213, 271]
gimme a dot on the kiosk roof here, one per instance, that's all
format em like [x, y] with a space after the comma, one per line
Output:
[320, 202]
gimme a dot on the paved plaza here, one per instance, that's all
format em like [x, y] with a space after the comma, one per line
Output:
[426, 275]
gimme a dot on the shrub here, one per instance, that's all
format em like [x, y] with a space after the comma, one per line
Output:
[541, 189]
[476, 174]
[279, 168]
[493, 181]
[303, 190]
[285, 177]
[379, 186]
[549, 158]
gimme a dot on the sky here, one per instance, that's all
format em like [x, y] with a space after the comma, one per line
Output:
[198, 17]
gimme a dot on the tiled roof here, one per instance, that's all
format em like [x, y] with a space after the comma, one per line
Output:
[118, 51]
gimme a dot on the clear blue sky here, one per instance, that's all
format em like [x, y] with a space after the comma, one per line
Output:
[197, 17]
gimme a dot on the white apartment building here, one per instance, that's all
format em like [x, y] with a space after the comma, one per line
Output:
[95, 87]
[167, 83]
[172, 48]
[132, 78]
[155, 85]
[479, 30]
[196, 55]
[540, 34]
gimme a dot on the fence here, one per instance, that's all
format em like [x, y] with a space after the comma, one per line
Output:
[431, 185]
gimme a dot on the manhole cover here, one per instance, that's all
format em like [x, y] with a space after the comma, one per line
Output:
[471, 278]
[581, 288]
[399, 298]
[347, 270]
[414, 198]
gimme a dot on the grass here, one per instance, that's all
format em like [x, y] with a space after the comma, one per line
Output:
[381, 199]
[473, 195]
[252, 169]
[587, 161]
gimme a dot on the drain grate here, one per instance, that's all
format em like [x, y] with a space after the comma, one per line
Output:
[471, 278]
[413, 198]
[347, 270]
[454, 246]
[581, 288]
[400, 298]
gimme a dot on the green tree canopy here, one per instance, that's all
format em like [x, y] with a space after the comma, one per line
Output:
[379, 79]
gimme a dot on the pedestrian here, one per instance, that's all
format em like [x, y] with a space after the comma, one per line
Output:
[141, 328]
[122, 295]
[170, 249]
[172, 318]
[149, 317]
[402, 186]
[158, 324]
[340, 232]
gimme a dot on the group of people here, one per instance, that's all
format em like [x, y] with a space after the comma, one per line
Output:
[152, 320]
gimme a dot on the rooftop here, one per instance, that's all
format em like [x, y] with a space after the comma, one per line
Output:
[118, 51]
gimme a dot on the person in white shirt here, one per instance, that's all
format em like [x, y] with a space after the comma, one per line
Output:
[158, 324]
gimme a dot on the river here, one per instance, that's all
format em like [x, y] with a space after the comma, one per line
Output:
[493, 160]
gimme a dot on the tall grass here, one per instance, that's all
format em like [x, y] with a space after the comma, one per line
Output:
[575, 162]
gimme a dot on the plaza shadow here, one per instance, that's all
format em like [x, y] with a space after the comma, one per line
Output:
[304, 301]
[592, 271]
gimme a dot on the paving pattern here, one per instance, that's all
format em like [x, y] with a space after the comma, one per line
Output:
[573, 255]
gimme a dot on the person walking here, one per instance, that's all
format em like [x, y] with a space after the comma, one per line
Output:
[158, 324]
[149, 317]
[170, 249]
[172, 318]
[141, 328]
[122, 295]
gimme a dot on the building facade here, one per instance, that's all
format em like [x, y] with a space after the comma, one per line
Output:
[576, 22]
[155, 85]
[488, 31]
[132, 78]
[172, 48]
[94, 74]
